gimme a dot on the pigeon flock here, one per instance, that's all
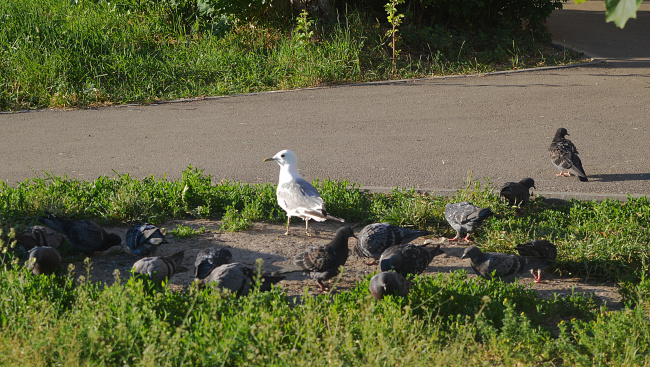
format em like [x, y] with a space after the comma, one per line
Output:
[385, 244]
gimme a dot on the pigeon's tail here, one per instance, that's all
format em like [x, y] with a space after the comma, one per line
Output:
[433, 252]
[267, 280]
[51, 221]
[583, 179]
[484, 214]
[331, 217]
[286, 267]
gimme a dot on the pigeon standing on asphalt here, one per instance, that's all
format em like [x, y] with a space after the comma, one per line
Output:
[239, 279]
[377, 237]
[503, 265]
[564, 156]
[465, 217]
[540, 249]
[83, 235]
[44, 260]
[160, 268]
[39, 236]
[389, 283]
[517, 193]
[144, 239]
[208, 259]
[296, 196]
[323, 261]
[409, 258]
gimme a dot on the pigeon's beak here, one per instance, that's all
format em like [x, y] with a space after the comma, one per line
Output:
[269, 159]
[462, 256]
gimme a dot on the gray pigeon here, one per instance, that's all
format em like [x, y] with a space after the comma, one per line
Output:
[389, 283]
[39, 236]
[239, 279]
[44, 260]
[208, 259]
[502, 265]
[144, 239]
[377, 237]
[540, 249]
[83, 235]
[409, 258]
[296, 196]
[160, 268]
[564, 156]
[465, 217]
[323, 261]
[517, 193]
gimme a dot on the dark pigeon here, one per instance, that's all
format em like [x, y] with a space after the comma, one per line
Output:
[83, 235]
[208, 259]
[377, 237]
[239, 279]
[37, 236]
[540, 249]
[144, 239]
[564, 156]
[517, 193]
[409, 258]
[389, 283]
[160, 268]
[502, 265]
[44, 260]
[465, 217]
[321, 262]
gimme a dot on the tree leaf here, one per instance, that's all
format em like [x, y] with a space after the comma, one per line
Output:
[619, 11]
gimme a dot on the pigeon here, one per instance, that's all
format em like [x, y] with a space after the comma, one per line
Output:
[296, 196]
[160, 268]
[208, 259]
[377, 237]
[517, 193]
[502, 265]
[541, 249]
[389, 283]
[465, 217]
[144, 239]
[44, 260]
[409, 258]
[39, 236]
[564, 156]
[321, 262]
[239, 279]
[83, 235]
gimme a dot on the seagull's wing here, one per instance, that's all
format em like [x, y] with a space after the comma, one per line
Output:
[299, 195]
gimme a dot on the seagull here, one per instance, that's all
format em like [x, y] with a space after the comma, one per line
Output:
[389, 283]
[239, 279]
[296, 196]
[538, 248]
[377, 237]
[321, 262]
[160, 268]
[517, 193]
[144, 239]
[409, 258]
[44, 260]
[465, 217]
[83, 235]
[39, 236]
[502, 265]
[564, 156]
[208, 259]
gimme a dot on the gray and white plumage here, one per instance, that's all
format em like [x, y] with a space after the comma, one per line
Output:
[239, 279]
[408, 258]
[322, 262]
[517, 193]
[465, 217]
[377, 237]
[44, 260]
[144, 239]
[83, 235]
[540, 249]
[208, 259]
[389, 283]
[503, 265]
[160, 268]
[564, 156]
[39, 236]
[297, 197]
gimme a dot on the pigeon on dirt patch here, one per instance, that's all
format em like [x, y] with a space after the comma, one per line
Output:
[39, 236]
[564, 156]
[465, 217]
[321, 262]
[296, 196]
[377, 237]
[503, 265]
[144, 239]
[539, 249]
[389, 283]
[409, 258]
[239, 279]
[517, 193]
[44, 260]
[83, 235]
[208, 259]
[160, 268]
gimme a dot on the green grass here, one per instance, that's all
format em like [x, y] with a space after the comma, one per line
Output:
[182, 231]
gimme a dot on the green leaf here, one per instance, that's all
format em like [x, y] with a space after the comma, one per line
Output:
[619, 11]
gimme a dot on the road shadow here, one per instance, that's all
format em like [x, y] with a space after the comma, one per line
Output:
[614, 177]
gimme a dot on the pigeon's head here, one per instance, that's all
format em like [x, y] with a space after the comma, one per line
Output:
[471, 252]
[284, 158]
[388, 282]
[561, 132]
[528, 183]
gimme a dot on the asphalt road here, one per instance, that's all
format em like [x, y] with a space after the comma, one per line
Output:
[429, 134]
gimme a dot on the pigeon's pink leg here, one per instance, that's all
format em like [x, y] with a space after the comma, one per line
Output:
[568, 173]
[466, 237]
[453, 239]
[560, 174]
[322, 286]
[373, 262]
[538, 277]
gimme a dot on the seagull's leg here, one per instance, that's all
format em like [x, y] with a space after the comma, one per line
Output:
[288, 221]
[307, 226]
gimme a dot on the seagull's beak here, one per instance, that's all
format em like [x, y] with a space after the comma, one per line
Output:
[269, 159]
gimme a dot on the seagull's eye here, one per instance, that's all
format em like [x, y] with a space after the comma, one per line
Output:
[282, 156]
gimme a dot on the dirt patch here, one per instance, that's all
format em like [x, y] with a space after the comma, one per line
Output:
[269, 243]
